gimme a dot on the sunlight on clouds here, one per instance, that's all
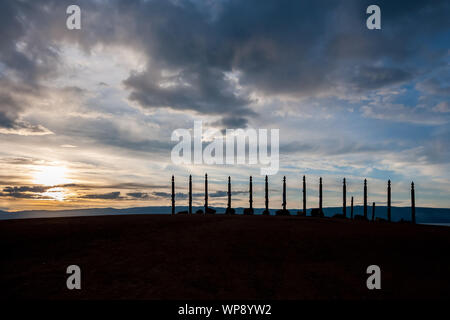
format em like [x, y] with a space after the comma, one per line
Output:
[55, 193]
[51, 175]
[25, 129]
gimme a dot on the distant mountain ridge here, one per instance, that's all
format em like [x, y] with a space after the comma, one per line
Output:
[423, 214]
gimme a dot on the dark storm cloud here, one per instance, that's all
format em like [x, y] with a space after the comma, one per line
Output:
[167, 195]
[25, 192]
[11, 107]
[194, 50]
[232, 122]
[148, 196]
[21, 195]
[31, 33]
[221, 194]
[138, 195]
[376, 77]
[297, 48]
[9, 111]
[23, 57]
[205, 91]
[26, 189]
[106, 196]
[306, 48]
[28, 44]
[35, 192]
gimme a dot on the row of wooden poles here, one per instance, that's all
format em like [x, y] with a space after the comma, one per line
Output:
[314, 212]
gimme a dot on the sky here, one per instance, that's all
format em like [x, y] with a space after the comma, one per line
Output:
[86, 116]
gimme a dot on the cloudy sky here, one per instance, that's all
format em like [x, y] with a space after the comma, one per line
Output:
[86, 116]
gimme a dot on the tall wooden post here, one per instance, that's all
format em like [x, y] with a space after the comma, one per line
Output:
[229, 194]
[351, 210]
[389, 201]
[173, 194]
[344, 199]
[190, 194]
[284, 193]
[320, 195]
[251, 193]
[373, 211]
[267, 194]
[365, 198]
[206, 193]
[413, 204]
[304, 195]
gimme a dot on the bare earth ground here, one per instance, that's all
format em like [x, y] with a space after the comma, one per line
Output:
[221, 257]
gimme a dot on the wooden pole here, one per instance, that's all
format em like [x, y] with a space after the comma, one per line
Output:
[351, 210]
[413, 204]
[267, 194]
[320, 195]
[284, 193]
[365, 198]
[344, 199]
[304, 195]
[190, 194]
[173, 195]
[229, 193]
[389, 201]
[206, 193]
[251, 193]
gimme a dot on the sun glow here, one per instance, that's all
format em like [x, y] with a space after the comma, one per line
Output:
[55, 194]
[50, 175]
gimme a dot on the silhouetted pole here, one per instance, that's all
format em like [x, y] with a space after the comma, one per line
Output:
[173, 194]
[267, 194]
[251, 193]
[284, 193]
[344, 200]
[304, 195]
[365, 198]
[389, 201]
[229, 193]
[320, 195]
[351, 210]
[206, 193]
[413, 204]
[373, 211]
[190, 194]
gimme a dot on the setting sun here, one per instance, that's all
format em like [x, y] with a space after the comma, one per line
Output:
[50, 175]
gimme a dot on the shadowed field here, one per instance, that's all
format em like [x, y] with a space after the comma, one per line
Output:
[221, 257]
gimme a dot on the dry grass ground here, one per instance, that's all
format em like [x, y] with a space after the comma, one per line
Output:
[221, 257]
